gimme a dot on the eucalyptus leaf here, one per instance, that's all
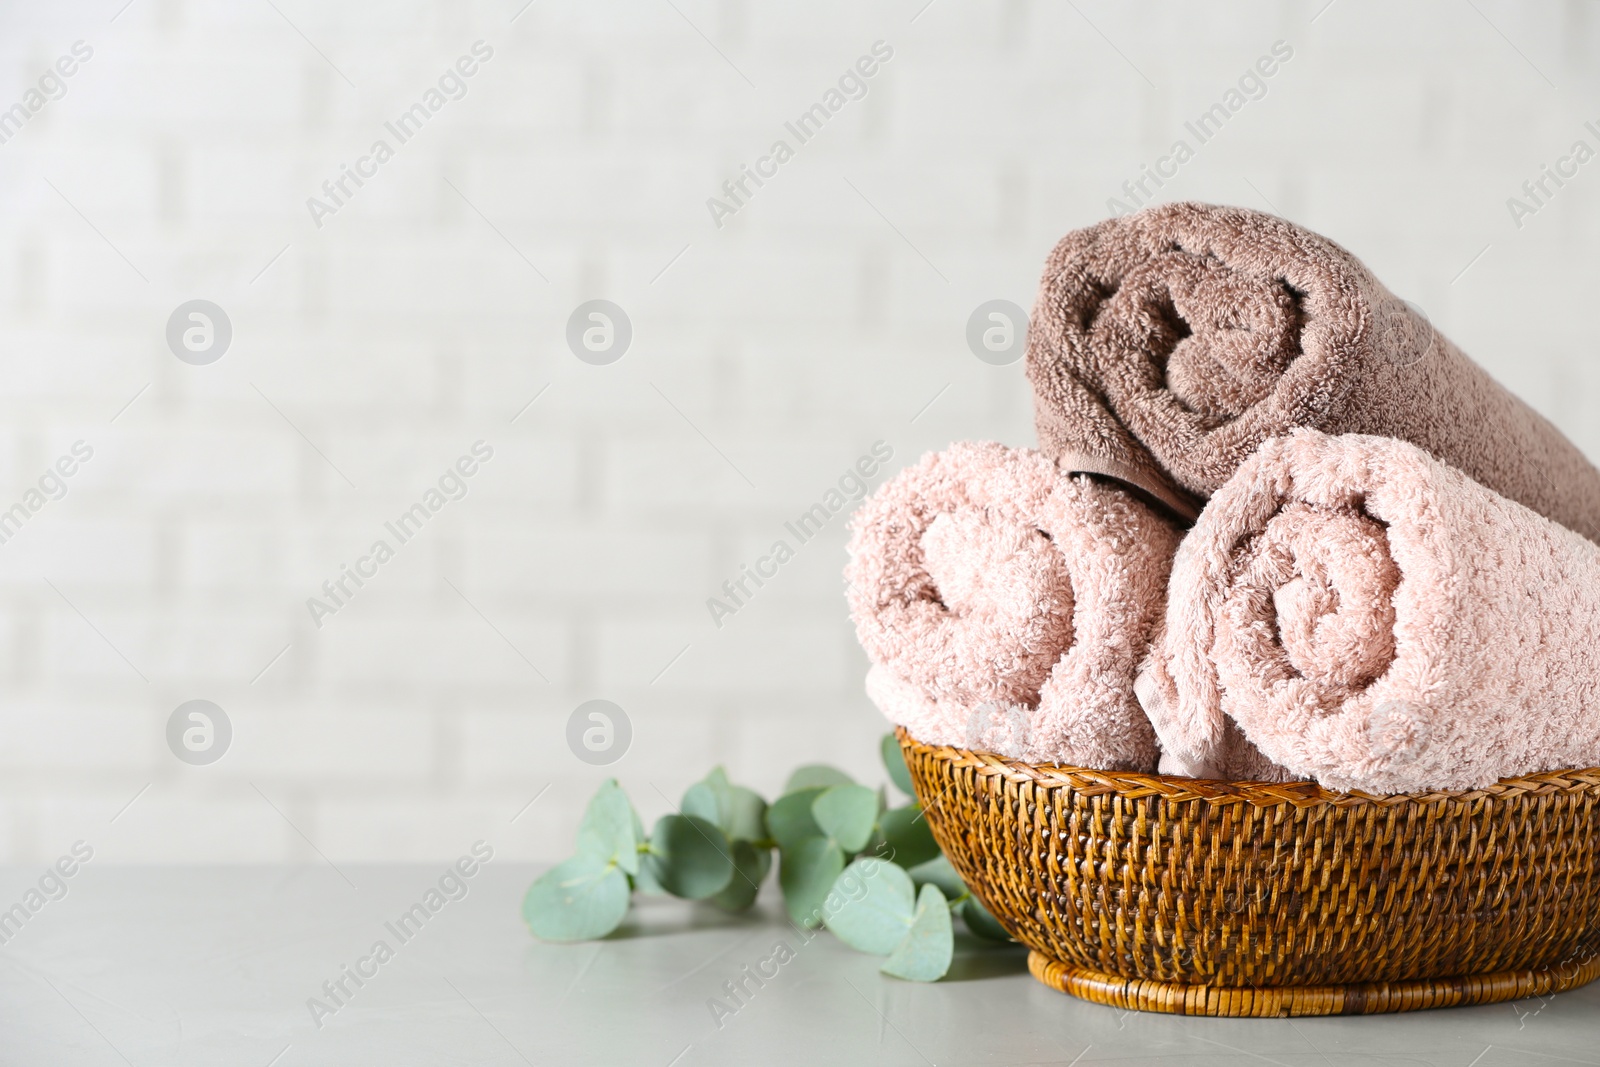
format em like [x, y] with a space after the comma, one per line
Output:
[744, 813]
[925, 953]
[816, 775]
[981, 921]
[740, 812]
[645, 880]
[639, 838]
[908, 836]
[689, 857]
[700, 800]
[879, 905]
[579, 900]
[607, 830]
[789, 819]
[806, 874]
[894, 761]
[847, 813]
[750, 867]
[939, 872]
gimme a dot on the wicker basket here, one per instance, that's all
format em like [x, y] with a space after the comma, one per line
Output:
[1246, 898]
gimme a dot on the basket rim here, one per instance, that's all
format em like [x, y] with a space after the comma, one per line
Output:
[1133, 784]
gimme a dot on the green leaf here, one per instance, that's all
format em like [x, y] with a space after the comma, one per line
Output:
[880, 904]
[750, 867]
[579, 900]
[815, 776]
[846, 813]
[607, 830]
[908, 836]
[689, 857]
[740, 812]
[744, 814]
[789, 819]
[701, 801]
[645, 880]
[939, 872]
[894, 761]
[638, 829]
[924, 955]
[981, 921]
[978, 918]
[806, 874]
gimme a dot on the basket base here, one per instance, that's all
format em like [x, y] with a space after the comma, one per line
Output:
[1365, 998]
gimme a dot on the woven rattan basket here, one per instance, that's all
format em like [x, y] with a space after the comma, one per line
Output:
[1244, 898]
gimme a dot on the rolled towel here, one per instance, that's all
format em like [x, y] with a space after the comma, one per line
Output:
[990, 726]
[1374, 619]
[1166, 345]
[1006, 606]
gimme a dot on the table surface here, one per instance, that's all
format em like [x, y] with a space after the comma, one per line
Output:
[215, 966]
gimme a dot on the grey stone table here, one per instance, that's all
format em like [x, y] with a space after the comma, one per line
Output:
[216, 966]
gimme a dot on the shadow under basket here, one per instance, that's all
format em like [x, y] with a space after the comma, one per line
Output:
[1252, 899]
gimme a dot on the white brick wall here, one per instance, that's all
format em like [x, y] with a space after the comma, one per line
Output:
[407, 327]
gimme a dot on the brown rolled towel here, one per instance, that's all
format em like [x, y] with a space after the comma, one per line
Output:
[1166, 345]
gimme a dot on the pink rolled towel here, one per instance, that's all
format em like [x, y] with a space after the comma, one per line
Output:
[1006, 606]
[1362, 614]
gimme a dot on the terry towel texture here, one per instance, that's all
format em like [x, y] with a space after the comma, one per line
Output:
[1166, 345]
[1374, 619]
[1006, 606]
